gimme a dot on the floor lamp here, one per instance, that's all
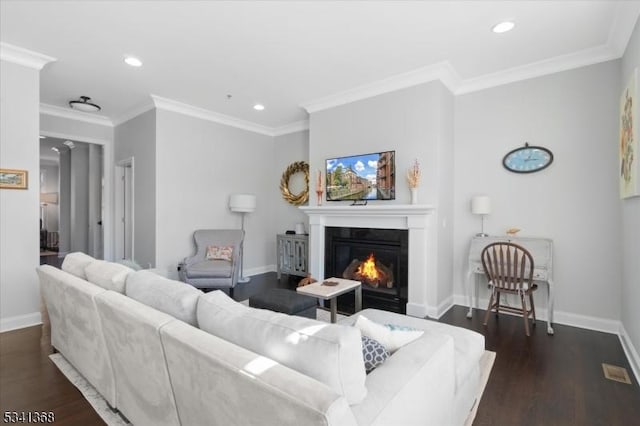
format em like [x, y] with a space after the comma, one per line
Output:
[243, 204]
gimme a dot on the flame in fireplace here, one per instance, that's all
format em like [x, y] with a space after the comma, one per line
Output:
[368, 268]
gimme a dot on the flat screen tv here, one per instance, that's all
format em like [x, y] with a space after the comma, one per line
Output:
[362, 177]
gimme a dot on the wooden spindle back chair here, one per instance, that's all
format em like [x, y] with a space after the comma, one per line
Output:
[509, 269]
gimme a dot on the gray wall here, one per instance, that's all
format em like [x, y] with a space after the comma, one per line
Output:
[136, 139]
[65, 202]
[631, 218]
[417, 123]
[199, 165]
[574, 201]
[289, 149]
[79, 232]
[19, 209]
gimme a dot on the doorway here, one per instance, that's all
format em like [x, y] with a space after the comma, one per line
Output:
[71, 197]
[124, 194]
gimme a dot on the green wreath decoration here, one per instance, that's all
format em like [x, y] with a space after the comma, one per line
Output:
[303, 196]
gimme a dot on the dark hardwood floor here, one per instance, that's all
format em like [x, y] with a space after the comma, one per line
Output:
[540, 380]
[550, 380]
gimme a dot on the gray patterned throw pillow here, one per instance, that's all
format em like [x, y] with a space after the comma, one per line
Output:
[373, 352]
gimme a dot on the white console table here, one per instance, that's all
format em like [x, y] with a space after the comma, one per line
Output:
[540, 248]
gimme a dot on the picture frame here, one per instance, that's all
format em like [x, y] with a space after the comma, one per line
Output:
[14, 179]
[628, 143]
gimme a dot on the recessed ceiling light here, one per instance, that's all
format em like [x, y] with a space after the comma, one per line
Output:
[503, 27]
[258, 107]
[133, 61]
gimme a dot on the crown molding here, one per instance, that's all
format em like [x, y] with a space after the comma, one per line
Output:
[624, 21]
[297, 126]
[134, 112]
[203, 114]
[24, 57]
[537, 69]
[71, 114]
[622, 26]
[442, 71]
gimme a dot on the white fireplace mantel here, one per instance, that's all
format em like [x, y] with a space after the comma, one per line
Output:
[418, 219]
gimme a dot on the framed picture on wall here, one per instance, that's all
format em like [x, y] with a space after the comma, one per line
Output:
[14, 179]
[629, 170]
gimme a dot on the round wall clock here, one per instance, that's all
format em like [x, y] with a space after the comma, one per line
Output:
[527, 159]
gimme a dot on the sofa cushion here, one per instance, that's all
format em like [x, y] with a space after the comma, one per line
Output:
[210, 269]
[468, 345]
[75, 263]
[108, 275]
[330, 353]
[171, 297]
[373, 352]
[391, 336]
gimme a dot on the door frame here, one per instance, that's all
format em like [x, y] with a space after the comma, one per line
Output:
[119, 194]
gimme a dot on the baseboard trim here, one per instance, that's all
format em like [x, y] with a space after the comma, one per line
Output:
[565, 318]
[630, 351]
[20, 321]
[259, 270]
[444, 306]
[417, 310]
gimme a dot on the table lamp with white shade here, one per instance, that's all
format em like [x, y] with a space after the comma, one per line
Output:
[481, 204]
[243, 204]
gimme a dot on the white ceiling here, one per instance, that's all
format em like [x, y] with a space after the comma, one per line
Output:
[287, 54]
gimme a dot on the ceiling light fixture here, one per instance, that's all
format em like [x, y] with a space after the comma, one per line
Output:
[42, 137]
[132, 61]
[258, 107]
[70, 144]
[503, 27]
[83, 104]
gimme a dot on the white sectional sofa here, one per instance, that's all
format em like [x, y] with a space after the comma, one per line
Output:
[163, 353]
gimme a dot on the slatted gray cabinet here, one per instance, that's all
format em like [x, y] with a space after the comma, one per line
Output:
[293, 254]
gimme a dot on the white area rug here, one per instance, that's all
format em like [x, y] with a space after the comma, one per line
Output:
[89, 392]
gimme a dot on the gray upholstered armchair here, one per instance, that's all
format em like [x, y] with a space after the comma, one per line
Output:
[201, 272]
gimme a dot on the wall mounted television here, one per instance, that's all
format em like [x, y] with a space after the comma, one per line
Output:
[362, 177]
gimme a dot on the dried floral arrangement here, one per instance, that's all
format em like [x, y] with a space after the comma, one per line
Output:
[413, 174]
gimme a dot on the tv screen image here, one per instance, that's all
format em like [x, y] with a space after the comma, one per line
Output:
[362, 177]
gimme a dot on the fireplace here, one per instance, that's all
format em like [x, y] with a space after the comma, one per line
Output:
[376, 257]
[420, 222]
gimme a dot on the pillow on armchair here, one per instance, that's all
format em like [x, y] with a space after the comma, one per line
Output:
[219, 253]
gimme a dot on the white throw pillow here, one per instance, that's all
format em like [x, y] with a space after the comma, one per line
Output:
[390, 336]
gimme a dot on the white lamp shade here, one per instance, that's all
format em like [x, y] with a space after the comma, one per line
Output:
[49, 198]
[481, 204]
[242, 203]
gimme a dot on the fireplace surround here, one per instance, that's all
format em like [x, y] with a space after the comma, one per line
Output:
[418, 220]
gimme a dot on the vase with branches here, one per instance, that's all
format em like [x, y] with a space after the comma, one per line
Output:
[413, 179]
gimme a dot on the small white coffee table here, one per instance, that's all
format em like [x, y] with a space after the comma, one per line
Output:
[326, 292]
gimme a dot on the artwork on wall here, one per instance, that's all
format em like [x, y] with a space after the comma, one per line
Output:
[628, 144]
[14, 179]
